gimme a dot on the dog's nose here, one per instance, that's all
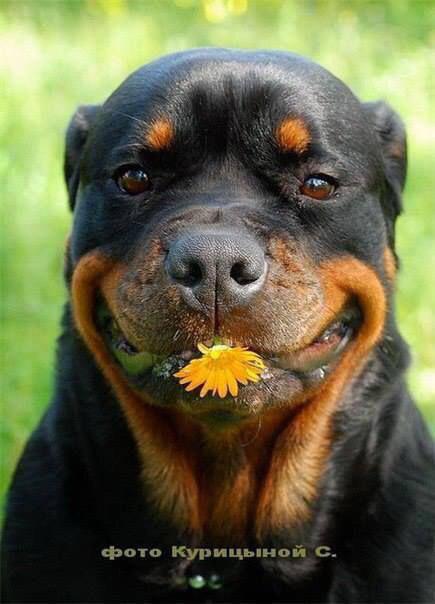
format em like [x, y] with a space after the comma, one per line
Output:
[217, 267]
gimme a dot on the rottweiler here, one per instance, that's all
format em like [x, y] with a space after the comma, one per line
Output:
[228, 205]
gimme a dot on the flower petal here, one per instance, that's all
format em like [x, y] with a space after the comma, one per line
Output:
[210, 383]
[196, 381]
[239, 372]
[232, 383]
[222, 386]
[202, 348]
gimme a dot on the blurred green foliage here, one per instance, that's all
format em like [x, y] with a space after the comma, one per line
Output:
[55, 55]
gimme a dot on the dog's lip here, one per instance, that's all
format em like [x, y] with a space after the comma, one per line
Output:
[312, 362]
[324, 349]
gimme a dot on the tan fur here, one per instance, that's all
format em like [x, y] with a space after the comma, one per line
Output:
[293, 135]
[167, 467]
[301, 450]
[160, 135]
[272, 482]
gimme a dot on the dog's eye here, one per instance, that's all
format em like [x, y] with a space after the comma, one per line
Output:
[132, 180]
[318, 187]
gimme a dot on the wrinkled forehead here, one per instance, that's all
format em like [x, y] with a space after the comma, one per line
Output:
[221, 97]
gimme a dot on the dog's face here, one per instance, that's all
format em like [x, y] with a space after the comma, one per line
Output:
[246, 196]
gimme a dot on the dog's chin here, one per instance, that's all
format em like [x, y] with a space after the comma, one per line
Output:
[287, 379]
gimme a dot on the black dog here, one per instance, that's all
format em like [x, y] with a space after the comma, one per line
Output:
[247, 196]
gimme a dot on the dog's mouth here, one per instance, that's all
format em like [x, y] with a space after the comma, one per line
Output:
[284, 374]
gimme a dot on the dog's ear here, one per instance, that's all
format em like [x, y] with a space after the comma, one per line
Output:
[391, 134]
[76, 135]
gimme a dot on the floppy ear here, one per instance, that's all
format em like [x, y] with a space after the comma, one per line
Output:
[391, 133]
[76, 135]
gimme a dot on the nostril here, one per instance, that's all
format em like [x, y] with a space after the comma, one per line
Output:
[243, 274]
[193, 274]
[186, 272]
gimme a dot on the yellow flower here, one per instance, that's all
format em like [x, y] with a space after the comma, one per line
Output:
[220, 369]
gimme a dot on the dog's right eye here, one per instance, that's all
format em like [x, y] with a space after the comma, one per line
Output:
[132, 180]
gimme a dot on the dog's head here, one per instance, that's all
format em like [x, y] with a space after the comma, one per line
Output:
[242, 195]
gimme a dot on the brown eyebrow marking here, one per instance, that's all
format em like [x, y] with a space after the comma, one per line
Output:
[293, 135]
[160, 135]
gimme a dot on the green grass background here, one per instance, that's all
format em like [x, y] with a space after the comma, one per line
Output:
[55, 55]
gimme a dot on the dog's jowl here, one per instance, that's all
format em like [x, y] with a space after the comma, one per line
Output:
[230, 420]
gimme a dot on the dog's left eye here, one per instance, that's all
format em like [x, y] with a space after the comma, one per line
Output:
[318, 187]
[132, 180]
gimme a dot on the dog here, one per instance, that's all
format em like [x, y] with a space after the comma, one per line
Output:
[242, 200]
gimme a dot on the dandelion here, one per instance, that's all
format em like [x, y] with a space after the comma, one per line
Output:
[220, 370]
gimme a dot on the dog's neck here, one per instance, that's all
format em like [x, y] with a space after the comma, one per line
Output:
[221, 489]
[231, 466]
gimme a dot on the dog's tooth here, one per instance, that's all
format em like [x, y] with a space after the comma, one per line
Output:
[316, 376]
[267, 374]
